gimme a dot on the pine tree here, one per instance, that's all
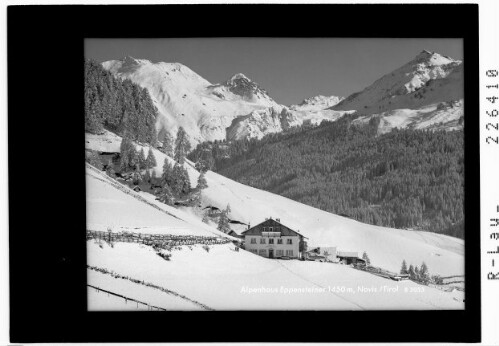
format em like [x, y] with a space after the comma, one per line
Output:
[424, 274]
[147, 176]
[177, 180]
[166, 195]
[365, 257]
[416, 273]
[403, 270]
[133, 157]
[411, 272]
[186, 181]
[142, 159]
[223, 222]
[136, 176]
[182, 145]
[202, 183]
[124, 153]
[205, 219]
[167, 176]
[167, 144]
[151, 160]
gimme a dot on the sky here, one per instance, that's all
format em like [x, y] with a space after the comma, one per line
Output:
[290, 69]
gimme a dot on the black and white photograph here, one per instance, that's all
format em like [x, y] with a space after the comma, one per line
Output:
[178, 172]
[274, 174]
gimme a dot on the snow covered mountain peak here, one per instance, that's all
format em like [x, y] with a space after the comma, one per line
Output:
[241, 85]
[433, 58]
[237, 76]
[316, 103]
[397, 90]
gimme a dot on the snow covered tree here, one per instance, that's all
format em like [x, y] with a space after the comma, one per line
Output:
[365, 257]
[182, 145]
[110, 171]
[186, 181]
[133, 157]
[411, 272]
[416, 273]
[126, 147]
[151, 160]
[166, 195]
[147, 176]
[167, 144]
[142, 159]
[136, 176]
[180, 182]
[202, 183]
[167, 176]
[424, 274]
[205, 217]
[223, 222]
[403, 270]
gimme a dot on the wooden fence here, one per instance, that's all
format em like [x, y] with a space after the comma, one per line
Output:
[162, 241]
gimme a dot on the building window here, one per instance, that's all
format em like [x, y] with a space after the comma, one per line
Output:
[271, 241]
[290, 241]
[254, 251]
[264, 229]
[289, 253]
[270, 229]
[279, 253]
[253, 240]
[279, 241]
[262, 240]
[262, 252]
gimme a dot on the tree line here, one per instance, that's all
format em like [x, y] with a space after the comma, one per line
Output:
[120, 106]
[412, 179]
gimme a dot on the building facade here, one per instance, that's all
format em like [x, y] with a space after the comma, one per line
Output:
[272, 239]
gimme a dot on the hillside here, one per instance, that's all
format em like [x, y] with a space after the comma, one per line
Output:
[425, 93]
[220, 278]
[386, 247]
[234, 109]
[401, 179]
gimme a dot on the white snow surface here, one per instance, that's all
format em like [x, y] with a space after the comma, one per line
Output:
[444, 115]
[224, 279]
[317, 103]
[184, 98]
[386, 247]
[235, 109]
[406, 96]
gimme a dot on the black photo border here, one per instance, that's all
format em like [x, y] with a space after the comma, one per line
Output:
[47, 180]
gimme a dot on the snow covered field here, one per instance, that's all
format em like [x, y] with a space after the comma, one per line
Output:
[225, 279]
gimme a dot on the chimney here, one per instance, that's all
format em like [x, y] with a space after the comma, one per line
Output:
[278, 220]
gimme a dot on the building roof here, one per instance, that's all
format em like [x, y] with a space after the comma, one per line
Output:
[348, 254]
[278, 227]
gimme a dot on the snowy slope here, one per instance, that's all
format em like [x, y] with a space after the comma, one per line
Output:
[426, 72]
[425, 93]
[184, 98]
[441, 116]
[386, 247]
[235, 109]
[317, 103]
[224, 279]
